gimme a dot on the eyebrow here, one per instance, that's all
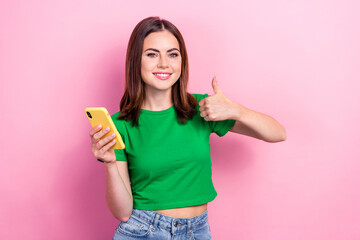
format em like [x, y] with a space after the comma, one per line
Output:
[155, 50]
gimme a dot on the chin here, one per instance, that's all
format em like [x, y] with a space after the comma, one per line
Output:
[160, 88]
[163, 87]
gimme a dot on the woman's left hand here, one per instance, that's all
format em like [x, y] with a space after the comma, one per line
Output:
[216, 107]
[247, 122]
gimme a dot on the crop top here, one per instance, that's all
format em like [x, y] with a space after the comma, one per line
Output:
[169, 163]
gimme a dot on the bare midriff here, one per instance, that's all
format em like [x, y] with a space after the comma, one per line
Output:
[184, 212]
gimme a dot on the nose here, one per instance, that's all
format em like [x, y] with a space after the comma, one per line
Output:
[162, 62]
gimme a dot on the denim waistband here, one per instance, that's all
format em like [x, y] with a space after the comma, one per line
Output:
[164, 221]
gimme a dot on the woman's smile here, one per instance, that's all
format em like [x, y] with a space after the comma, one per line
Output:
[162, 76]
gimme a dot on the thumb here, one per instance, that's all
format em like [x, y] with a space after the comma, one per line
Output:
[215, 86]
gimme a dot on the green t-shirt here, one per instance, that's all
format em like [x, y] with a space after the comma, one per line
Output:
[169, 163]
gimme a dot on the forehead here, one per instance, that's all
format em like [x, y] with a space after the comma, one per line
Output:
[163, 40]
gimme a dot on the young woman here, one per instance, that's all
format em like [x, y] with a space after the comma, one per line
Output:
[160, 184]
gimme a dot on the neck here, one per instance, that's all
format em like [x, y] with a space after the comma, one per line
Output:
[157, 100]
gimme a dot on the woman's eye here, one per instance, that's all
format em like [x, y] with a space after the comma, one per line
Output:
[173, 55]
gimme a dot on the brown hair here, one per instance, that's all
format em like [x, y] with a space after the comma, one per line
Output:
[134, 95]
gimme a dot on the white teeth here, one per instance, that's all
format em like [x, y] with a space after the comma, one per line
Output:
[162, 75]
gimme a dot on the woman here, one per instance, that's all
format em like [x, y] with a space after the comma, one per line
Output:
[166, 133]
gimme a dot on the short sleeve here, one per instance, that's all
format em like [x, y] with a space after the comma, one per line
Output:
[218, 127]
[221, 127]
[120, 126]
[121, 153]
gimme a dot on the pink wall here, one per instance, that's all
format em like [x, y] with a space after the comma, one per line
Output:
[297, 61]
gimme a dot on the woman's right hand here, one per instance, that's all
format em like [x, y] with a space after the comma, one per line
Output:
[101, 148]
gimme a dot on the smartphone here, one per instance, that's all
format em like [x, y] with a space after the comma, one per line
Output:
[99, 115]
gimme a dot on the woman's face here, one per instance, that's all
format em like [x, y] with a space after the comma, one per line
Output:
[160, 61]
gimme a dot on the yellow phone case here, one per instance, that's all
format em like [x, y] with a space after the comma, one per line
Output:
[99, 115]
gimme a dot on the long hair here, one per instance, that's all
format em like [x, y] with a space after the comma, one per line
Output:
[134, 95]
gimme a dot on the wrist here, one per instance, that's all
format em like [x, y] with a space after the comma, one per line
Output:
[238, 111]
[110, 164]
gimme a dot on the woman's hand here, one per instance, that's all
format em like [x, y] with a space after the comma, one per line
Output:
[216, 107]
[101, 148]
[247, 122]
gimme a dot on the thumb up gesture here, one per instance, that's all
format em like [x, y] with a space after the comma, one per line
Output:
[216, 107]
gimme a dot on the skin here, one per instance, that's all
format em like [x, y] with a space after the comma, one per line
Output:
[158, 92]
[248, 122]
[216, 107]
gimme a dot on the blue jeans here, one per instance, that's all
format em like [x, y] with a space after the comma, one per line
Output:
[145, 224]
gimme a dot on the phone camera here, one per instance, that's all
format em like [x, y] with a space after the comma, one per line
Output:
[89, 115]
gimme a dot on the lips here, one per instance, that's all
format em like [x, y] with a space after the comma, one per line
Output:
[162, 75]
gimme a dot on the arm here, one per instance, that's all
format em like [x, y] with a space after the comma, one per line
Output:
[255, 124]
[248, 122]
[118, 191]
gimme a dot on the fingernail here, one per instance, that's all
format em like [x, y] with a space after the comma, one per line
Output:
[99, 126]
[112, 135]
[107, 129]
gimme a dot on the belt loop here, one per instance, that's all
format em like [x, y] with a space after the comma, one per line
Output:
[172, 227]
[156, 220]
[189, 231]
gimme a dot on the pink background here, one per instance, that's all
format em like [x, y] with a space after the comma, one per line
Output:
[297, 61]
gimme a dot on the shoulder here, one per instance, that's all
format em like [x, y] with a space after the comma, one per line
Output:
[114, 116]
